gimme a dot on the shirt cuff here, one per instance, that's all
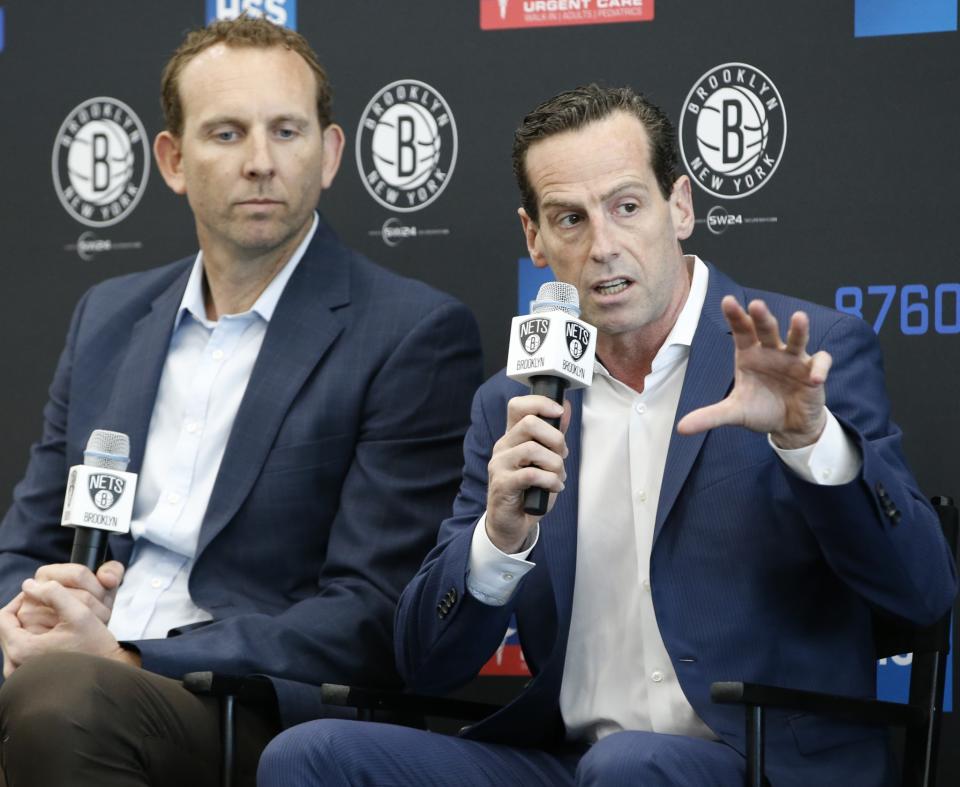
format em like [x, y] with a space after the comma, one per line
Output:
[834, 459]
[492, 575]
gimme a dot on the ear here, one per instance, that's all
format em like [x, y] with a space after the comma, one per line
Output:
[333, 142]
[166, 150]
[532, 233]
[681, 207]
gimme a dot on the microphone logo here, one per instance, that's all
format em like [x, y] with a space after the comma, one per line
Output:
[578, 340]
[105, 490]
[532, 334]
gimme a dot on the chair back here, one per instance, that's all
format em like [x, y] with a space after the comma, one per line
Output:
[929, 646]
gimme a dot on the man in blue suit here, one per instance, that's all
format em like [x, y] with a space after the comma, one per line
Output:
[296, 416]
[724, 510]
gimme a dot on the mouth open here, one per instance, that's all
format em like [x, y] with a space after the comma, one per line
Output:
[612, 287]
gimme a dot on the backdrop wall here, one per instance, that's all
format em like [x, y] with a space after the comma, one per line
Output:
[822, 138]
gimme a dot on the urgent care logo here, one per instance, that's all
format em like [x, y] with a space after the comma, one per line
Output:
[508, 14]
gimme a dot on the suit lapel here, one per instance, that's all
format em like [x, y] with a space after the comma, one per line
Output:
[560, 535]
[138, 378]
[708, 379]
[302, 328]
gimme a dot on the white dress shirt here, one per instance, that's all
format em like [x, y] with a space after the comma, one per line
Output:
[617, 673]
[204, 377]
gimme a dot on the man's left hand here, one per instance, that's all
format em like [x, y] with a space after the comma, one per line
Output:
[778, 387]
[78, 628]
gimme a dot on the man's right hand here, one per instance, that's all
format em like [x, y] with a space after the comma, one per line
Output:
[530, 454]
[96, 591]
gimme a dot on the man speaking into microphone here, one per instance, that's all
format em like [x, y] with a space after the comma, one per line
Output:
[295, 418]
[725, 505]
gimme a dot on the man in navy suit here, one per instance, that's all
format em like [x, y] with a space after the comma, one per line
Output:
[296, 416]
[723, 510]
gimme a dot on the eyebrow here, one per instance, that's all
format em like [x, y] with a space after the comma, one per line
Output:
[231, 120]
[630, 185]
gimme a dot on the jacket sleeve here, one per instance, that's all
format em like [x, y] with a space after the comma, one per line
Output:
[443, 634]
[878, 533]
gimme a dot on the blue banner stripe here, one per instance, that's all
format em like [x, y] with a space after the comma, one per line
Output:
[903, 17]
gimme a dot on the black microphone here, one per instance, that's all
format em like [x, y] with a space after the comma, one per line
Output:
[552, 351]
[107, 505]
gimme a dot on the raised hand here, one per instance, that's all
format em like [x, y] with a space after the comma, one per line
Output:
[778, 387]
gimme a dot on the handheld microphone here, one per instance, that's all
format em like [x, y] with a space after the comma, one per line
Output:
[551, 350]
[99, 498]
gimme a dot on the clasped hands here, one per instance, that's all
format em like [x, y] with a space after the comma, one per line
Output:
[64, 607]
[778, 389]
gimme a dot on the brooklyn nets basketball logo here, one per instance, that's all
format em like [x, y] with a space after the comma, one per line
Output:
[406, 145]
[732, 130]
[100, 162]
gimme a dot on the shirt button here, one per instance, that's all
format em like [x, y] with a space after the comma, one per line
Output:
[641, 408]
[156, 582]
[173, 498]
[507, 577]
[826, 473]
[656, 676]
[193, 427]
[642, 496]
[645, 583]
[217, 355]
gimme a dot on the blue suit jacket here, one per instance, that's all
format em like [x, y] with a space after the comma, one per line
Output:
[756, 575]
[343, 457]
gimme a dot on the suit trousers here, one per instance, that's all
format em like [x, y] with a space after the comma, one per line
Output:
[73, 720]
[336, 753]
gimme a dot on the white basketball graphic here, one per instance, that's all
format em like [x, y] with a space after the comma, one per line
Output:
[732, 130]
[406, 145]
[100, 161]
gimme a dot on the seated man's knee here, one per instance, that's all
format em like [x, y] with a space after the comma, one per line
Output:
[53, 693]
[307, 753]
[658, 760]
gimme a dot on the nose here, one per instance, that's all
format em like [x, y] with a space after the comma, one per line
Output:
[258, 163]
[603, 243]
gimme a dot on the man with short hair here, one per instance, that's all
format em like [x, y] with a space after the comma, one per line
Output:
[295, 416]
[721, 510]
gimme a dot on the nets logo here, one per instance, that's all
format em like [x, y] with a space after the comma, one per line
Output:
[578, 340]
[532, 334]
[105, 490]
[101, 161]
[280, 12]
[406, 145]
[732, 130]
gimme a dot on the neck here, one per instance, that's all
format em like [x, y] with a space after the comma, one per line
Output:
[234, 279]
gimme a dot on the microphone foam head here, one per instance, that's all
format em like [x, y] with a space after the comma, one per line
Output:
[557, 295]
[110, 450]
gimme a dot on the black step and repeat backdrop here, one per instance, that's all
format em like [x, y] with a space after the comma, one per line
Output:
[821, 136]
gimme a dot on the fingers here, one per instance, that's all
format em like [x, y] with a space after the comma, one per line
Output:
[110, 574]
[541, 407]
[722, 413]
[73, 575]
[52, 594]
[758, 325]
[820, 365]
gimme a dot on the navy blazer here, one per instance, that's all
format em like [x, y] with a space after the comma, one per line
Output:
[756, 574]
[343, 457]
